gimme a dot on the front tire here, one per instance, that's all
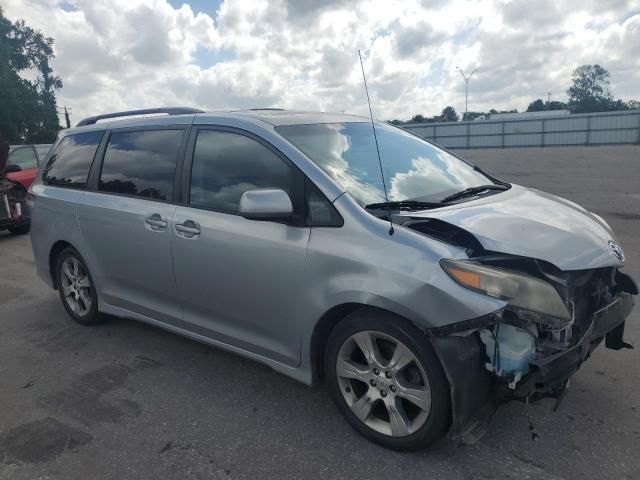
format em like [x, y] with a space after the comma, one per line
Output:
[76, 288]
[387, 380]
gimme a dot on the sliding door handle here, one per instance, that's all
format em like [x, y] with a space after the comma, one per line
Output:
[156, 222]
[188, 228]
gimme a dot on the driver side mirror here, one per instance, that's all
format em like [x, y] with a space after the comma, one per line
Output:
[12, 168]
[266, 204]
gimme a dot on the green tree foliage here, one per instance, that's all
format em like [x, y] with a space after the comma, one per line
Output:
[418, 119]
[449, 115]
[28, 112]
[556, 105]
[536, 106]
[589, 91]
[469, 116]
[540, 106]
[633, 104]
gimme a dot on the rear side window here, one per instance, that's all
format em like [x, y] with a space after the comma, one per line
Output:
[24, 157]
[141, 163]
[225, 165]
[69, 164]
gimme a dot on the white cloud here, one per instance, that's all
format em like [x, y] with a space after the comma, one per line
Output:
[125, 54]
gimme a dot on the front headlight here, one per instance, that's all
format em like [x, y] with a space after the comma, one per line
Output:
[517, 289]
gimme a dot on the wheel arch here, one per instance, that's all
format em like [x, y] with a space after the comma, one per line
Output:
[329, 320]
[54, 252]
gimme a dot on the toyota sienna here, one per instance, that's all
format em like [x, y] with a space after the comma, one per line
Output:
[424, 291]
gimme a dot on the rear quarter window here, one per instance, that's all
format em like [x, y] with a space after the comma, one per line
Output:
[69, 164]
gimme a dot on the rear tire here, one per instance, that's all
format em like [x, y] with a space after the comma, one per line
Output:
[20, 230]
[396, 396]
[76, 288]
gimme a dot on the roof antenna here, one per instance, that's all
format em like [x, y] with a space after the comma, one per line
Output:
[375, 137]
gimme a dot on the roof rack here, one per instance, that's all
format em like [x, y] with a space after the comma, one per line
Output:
[266, 108]
[146, 111]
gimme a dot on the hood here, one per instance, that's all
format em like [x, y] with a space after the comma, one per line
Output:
[530, 223]
[4, 157]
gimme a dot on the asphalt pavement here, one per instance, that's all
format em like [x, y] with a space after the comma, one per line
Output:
[124, 400]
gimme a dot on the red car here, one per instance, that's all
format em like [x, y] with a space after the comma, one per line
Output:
[18, 167]
[24, 161]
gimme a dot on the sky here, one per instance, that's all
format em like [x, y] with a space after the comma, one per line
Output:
[116, 55]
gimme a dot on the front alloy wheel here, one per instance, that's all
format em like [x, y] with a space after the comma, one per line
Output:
[387, 380]
[389, 392]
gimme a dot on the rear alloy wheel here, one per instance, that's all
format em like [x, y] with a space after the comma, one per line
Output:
[387, 380]
[76, 288]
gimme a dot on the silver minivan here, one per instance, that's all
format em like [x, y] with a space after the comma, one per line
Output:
[424, 291]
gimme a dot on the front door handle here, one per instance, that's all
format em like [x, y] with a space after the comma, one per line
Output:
[189, 228]
[156, 222]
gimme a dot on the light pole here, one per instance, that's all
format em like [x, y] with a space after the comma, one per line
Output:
[466, 90]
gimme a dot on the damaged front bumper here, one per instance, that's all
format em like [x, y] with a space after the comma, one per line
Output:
[549, 374]
[476, 392]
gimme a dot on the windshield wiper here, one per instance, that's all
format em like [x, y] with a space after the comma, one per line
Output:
[403, 205]
[469, 192]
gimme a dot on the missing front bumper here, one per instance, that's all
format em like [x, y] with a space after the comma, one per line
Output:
[549, 374]
[475, 393]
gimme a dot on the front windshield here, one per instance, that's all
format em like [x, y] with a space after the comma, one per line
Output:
[413, 169]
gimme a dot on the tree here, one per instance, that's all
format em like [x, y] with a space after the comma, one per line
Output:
[449, 115]
[556, 105]
[469, 116]
[633, 104]
[540, 106]
[29, 111]
[536, 106]
[589, 91]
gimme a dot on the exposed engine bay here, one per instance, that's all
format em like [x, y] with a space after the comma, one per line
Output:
[529, 349]
[13, 204]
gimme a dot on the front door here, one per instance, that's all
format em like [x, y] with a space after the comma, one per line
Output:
[241, 281]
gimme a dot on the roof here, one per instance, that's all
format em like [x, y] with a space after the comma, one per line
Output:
[271, 116]
[297, 117]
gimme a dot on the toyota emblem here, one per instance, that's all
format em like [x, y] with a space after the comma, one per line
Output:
[616, 250]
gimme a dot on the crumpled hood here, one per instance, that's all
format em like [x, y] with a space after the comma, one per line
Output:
[530, 223]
